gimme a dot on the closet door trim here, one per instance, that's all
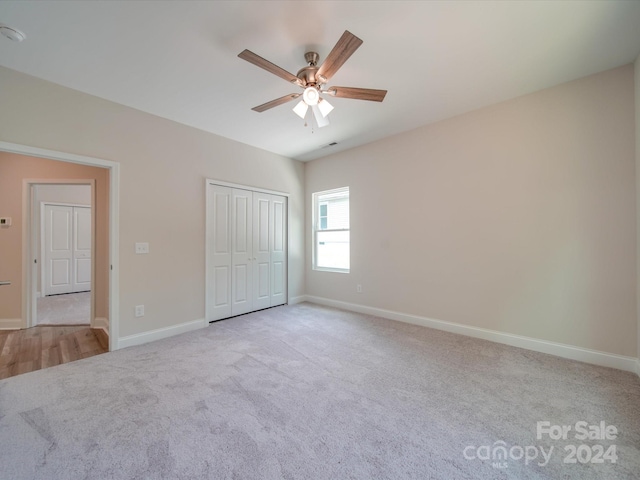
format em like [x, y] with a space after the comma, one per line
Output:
[245, 187]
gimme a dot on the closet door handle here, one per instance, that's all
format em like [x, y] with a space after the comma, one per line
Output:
[5, 283]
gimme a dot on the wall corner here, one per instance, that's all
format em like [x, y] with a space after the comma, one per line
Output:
[636, 80]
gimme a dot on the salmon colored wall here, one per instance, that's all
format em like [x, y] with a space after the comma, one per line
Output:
[13, 170]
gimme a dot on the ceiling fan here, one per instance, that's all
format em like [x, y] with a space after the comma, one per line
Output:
[313, 78]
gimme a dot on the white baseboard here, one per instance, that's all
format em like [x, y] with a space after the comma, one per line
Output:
[595, 357]
[295, 300]
[101, 322]
[160, 333]
[11, 323]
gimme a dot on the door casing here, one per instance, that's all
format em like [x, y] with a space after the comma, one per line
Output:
[28, 253]
[35, 248]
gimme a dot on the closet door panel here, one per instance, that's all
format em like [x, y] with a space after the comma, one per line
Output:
[58, 239]
[219, 253]
[261, 250]
[241, 252]
[240, 288]
[221, 284]
[278, 251]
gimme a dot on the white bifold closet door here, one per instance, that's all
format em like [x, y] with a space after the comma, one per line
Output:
[67, 249]
[246, 251]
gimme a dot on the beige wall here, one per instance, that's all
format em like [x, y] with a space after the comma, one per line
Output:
[163, 167]
[518, 218]
[13, 170]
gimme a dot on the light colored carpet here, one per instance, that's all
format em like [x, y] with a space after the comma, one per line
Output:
[307, 392]
[68, 309]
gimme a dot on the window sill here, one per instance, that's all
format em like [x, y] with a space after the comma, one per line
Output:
[334, 270]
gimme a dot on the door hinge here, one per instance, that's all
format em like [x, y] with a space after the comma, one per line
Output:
[35, 260]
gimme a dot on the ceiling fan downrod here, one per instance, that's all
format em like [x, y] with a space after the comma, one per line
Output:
[309, 74]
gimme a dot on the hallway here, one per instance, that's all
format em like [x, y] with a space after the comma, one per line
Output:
[67, 309]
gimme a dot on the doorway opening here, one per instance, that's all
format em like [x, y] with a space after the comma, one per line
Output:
[63, 237]
[27, 281]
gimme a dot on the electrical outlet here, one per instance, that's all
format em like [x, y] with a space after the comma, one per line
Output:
[142, 247]
[139, 310]
[359, 288]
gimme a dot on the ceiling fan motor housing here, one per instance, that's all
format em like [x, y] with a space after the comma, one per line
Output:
[308, 74]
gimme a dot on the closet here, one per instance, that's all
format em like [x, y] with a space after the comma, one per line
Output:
[246, 243]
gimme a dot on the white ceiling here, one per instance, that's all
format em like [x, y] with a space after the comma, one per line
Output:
[437, 59]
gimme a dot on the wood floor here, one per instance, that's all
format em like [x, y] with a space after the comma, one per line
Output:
[23, 351]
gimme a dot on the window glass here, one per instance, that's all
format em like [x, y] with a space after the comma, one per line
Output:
[331, 230]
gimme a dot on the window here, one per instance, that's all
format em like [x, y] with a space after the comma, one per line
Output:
[331, 230]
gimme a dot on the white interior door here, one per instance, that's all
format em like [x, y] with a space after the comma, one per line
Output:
[278, 251]
[67, 249]
[58, 234]
[81, 275]
[241, 252]
[246, 244]
[219, 252]
[262, 227]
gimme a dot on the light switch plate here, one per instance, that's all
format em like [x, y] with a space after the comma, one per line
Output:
[142, 247]
[139, 310]
[5, 221]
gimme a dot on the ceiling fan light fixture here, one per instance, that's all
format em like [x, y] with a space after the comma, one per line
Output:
[311, 96]
[324, 107]
[301, 109]
[321, 121]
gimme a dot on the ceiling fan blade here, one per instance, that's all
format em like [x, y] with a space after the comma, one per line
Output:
[276, 102]
[341, 52]
[358, 93]
[257, 60]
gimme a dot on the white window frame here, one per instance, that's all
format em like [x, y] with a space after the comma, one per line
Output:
[315, 226]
